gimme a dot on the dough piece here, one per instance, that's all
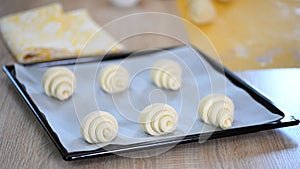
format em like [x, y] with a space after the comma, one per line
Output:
[124, 3]
[47, 33]
[114, 79]
[224, 0]
[202, 11]
[99, 127]
[217, 109]
[166, 74]
[158, 119]
[59, 82]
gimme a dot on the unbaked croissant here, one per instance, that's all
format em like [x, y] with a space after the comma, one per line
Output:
[166, 74]
[217, 109]
[99, 127]
[114, 79]
[59, 82]
[158, 118]
[202, 11]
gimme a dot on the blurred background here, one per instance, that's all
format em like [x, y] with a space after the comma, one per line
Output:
[247, 34]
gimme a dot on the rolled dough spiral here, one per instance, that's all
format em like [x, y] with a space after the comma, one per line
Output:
[158, 118]
[201, 11]
[217, 109]
[99, 127]
[114, 79]
[166, 74]
[59, 82]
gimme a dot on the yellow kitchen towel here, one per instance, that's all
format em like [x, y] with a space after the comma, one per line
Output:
[47, 33]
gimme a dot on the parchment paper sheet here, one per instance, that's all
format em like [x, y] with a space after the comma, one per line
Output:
[199, 80]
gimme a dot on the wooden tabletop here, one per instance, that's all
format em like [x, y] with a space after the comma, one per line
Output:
[24, 144]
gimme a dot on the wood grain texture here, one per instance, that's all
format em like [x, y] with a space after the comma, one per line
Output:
[24, 144]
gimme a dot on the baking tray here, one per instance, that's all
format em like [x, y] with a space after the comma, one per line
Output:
[286, 120]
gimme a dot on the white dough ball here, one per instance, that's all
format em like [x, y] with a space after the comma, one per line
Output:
[124, 3]
[202, 11]
[224, 0]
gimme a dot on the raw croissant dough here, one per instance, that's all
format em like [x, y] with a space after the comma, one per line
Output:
[201, 11]
[224, 0]
[217, 109]
[166, 74]
[59, 82]
[158, 118]
[124, 3]
[114, 79]
[47, 33]
[99, 127]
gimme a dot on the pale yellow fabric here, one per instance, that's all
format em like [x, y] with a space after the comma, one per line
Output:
[47, 33]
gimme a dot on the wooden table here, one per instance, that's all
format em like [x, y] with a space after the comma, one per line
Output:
[24, 144]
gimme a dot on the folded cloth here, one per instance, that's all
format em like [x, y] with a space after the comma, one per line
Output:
[46, 33]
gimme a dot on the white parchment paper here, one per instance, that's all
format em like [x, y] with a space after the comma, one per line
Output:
[199, 80]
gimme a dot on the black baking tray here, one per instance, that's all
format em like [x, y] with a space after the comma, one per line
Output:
[285, 121]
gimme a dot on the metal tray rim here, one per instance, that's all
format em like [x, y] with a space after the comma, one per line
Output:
[287, 120]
